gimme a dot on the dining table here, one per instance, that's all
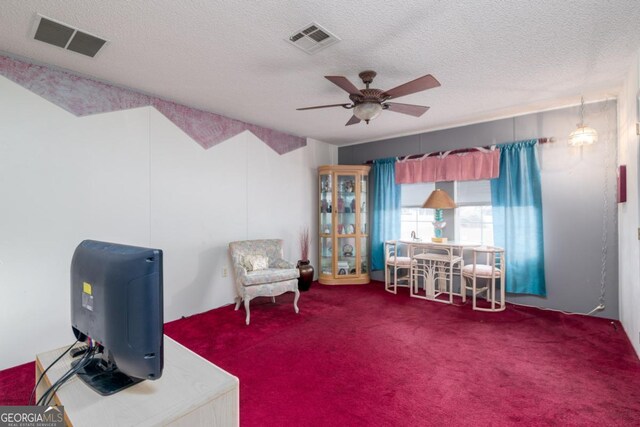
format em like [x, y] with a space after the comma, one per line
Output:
[434, 265]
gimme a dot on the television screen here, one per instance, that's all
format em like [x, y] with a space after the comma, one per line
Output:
[117, 307]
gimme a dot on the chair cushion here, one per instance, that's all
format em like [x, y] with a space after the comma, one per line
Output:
[280, 263]
[401, 260]
[256, 262]
[482, 270]
[269, 275]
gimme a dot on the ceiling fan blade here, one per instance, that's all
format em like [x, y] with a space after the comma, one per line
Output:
[417, 85]
[410, 109]
[323, 106]
[344, 84]
[353, 120]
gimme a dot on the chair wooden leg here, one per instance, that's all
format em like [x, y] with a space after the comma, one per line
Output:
[411, 285]
[493, 293]
[238, 301]
[463, 287]
[450, 280]
[246, 308]
[273, 300]
[386, 278]
[395, 279]
[388, 283]
[473, 291]
[295, 301]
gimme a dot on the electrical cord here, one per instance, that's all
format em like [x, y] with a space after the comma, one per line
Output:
[48, 395]
[33, 392]
[599, 307]
[84, 361]
[605, 214]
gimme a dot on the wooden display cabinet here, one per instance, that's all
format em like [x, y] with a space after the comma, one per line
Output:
[343, 225]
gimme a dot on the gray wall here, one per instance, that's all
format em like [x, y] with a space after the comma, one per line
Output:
[574, 184]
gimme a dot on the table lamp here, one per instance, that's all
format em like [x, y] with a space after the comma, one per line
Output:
[439, 200]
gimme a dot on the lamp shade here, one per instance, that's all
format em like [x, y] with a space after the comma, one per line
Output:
[439, 199]
[584, 135]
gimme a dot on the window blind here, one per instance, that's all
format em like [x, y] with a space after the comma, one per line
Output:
[414, 195]
[472, 192]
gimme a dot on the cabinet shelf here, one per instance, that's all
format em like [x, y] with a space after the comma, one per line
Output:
[343, 207]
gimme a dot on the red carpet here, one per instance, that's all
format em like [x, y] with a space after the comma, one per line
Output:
[357, 355]
[16, 384]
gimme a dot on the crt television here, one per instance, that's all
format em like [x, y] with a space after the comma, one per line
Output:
[116, 305]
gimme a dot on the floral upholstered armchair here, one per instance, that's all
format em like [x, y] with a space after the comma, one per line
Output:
[260, 271]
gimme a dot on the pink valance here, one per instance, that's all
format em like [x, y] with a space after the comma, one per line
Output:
[449, 167]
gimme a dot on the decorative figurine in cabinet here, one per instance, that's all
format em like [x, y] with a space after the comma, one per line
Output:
[343, 242]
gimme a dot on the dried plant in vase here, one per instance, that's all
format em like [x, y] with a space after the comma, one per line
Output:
[304, 244]
[305, 267]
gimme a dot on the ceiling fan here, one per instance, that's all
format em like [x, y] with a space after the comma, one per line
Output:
[367, 104]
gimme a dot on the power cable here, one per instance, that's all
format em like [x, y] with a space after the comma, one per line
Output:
[47, 396]
[33, 392]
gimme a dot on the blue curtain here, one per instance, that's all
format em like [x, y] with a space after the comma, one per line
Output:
[385, 223]
[516, 200]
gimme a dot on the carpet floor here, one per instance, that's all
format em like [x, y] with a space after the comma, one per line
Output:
[357, 355]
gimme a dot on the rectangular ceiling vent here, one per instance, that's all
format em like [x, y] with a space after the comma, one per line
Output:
[312, 38]
[67, 37]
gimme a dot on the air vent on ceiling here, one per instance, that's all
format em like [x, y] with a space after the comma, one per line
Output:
[67, 37]
[312, 38]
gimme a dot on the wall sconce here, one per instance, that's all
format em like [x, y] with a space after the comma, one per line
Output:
[584, 135]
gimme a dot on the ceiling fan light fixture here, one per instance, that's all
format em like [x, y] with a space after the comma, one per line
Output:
[368, 103]
[367, 110]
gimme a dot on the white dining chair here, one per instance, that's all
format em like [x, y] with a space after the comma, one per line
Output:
[490, 272]
[394, 261]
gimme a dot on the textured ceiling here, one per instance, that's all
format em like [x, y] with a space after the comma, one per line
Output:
[493, 58]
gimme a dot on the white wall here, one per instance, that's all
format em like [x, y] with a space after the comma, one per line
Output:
[131, 177]
[202, 200]
[628, 213]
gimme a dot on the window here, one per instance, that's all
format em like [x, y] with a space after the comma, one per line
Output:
[414, 218]
[418, 220]
[475, 224]
[474, 219]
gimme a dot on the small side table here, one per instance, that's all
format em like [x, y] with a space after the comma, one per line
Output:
[191, 392]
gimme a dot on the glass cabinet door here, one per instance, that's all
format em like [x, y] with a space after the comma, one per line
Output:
[346, 201]
[325, 204]
[326, 255]
[364, 226]
[346, 257]
[364, 256]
